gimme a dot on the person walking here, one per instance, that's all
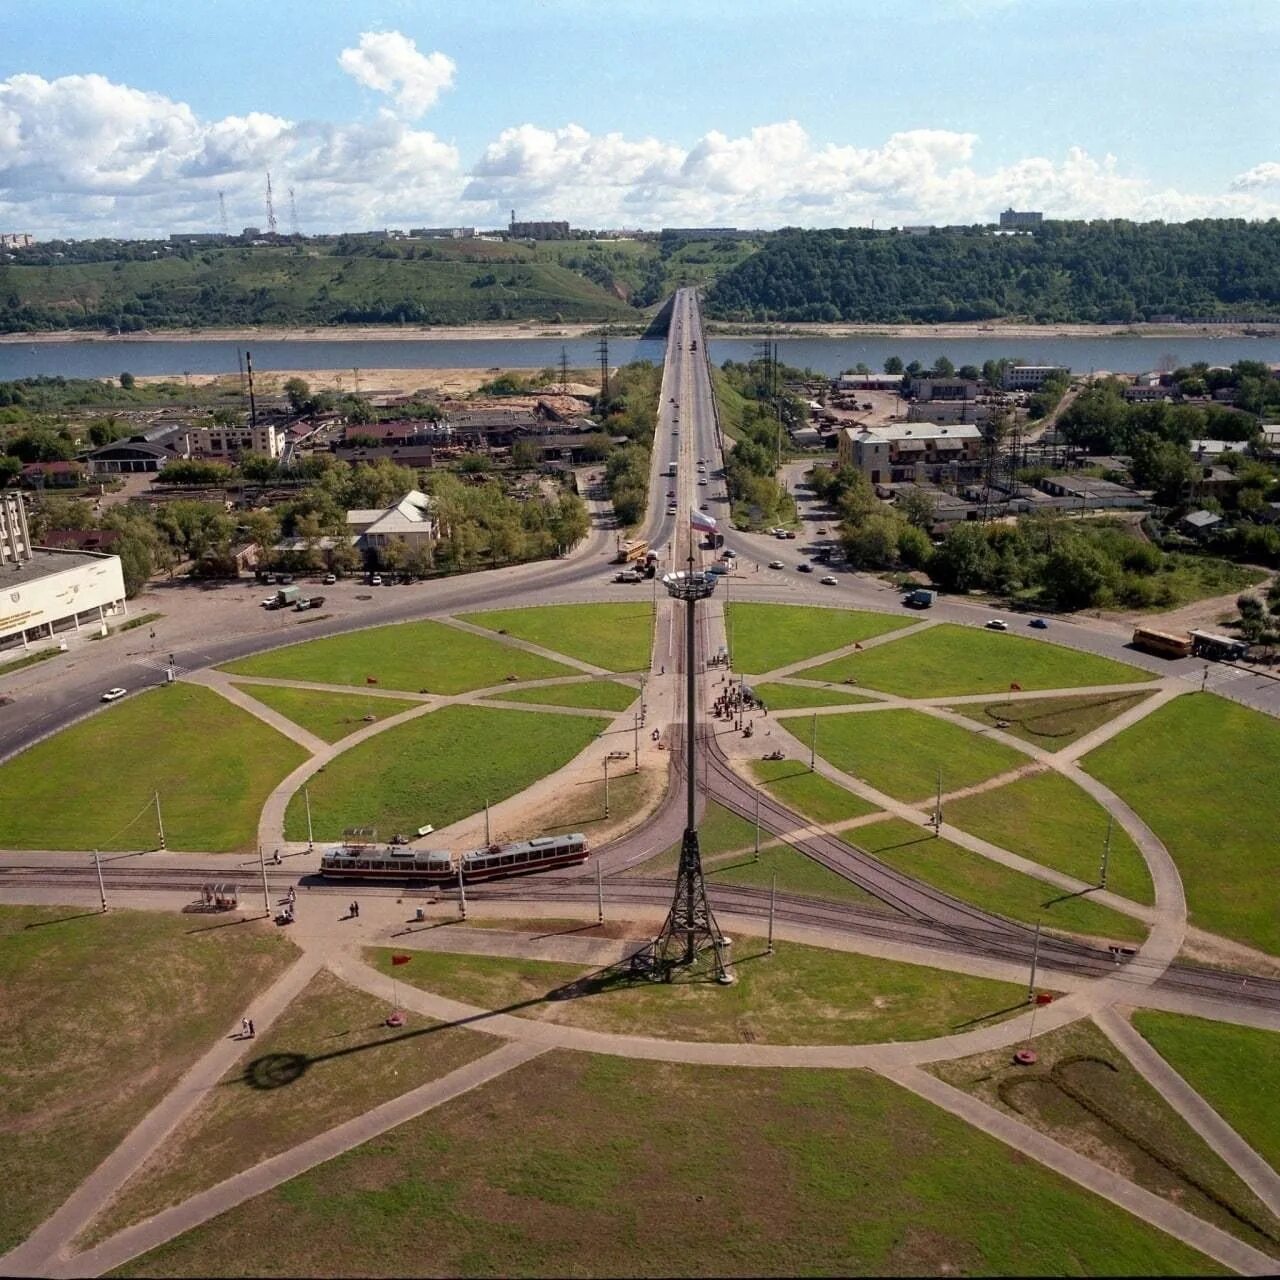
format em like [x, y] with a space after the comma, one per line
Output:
[252, 1032]
[244, 1028]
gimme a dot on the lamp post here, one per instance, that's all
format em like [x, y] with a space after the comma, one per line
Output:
[606, 786]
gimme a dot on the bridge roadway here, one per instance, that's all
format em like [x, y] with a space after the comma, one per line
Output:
[905, 909]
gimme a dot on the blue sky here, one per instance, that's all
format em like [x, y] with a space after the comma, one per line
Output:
[131, 116]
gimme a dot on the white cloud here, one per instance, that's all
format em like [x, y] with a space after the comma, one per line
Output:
[390, 63]
[1261, 175]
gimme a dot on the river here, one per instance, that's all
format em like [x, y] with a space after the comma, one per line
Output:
[100, 358]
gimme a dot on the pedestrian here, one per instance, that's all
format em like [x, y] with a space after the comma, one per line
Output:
[244, 1028]
[252, 1032]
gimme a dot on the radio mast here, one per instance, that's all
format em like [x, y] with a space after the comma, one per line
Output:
[272, 224]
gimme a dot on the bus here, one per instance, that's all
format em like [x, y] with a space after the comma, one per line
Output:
[1164, 644]
[1204, 644]
[631, 550]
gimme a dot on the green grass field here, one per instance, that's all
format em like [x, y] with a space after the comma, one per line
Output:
[1201, 772]
[950, 659]
[989, 885]
[799, 995]
[1051, 723]
[213, 765]
[593, 1166]
[1235, 1069]
[796, 874]
[416, 656]
[1113, 1116]
[99, 1017]
[768, 636]
[437, 769]
[1050, 820]
[809, 794]
[789, 697]
[899, 752]
[605, 695]
[330, 716]
[614, 637]
[354, 1062]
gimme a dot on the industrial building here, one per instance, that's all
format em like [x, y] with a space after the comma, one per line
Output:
[43, 592]
[1031, 377]
[1012, 220]
[912, 452]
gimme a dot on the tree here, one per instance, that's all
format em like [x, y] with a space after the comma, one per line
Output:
[916, 507]
[965, 559]
[1074, 574]
[127, 381]
[873, 544]
[526, 455]
[298, 392]
[10, 469]
[943, 368]
[893, 365]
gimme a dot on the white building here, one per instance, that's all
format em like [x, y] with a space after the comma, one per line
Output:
[231, 442]
[1031, 377]
[43, 592]
[411, 521]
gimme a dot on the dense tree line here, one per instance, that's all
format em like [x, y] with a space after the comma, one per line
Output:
[631, 412]
[1102, 272]
[751, 465]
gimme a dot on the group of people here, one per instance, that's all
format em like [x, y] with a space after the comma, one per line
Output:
[354, 910]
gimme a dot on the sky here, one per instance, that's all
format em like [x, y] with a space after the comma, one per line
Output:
[129, 117]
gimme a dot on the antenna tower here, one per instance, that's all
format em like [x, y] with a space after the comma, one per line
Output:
[293, 216]
[222, 214]
[564, 371]
[272, 225]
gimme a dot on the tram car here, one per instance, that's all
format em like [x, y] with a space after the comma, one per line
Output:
[438, 866]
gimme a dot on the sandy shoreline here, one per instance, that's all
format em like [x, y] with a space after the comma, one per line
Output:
[510, 332]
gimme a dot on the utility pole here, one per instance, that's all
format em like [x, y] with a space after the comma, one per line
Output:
[462, 893]
[266, 893]
[1106, 853]
[1035, 960]
[102, 888]
[487, 839]
[311, 839]
[813, 743]
[606, 786]
[757, 824]
[773, 896]
[937, 808]
[160, 822]
[599, 893]
[636, 724]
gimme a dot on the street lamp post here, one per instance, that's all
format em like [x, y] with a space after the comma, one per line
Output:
[606, 786]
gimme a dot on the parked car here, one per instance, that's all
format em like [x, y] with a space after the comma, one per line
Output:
[828, 581]
[399, 839]
[630, 575]
[375, 580]
[775, 564]
[112, 694]
[330, 579]
[1039, 623]
[997, 624]
[804, 568]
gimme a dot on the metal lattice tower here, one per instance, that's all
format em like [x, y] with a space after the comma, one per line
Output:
[272, 225]
[602, 350]
[690, 933]
[294, 226]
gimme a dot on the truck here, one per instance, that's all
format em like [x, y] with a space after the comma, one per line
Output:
[631, 550]
[693, 345]
[312, 602]
[283, 598]
[920, 598]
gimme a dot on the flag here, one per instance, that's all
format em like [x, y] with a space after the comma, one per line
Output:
[700, 520]
[401, 959]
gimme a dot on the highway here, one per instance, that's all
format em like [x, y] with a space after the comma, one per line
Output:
[686, 431]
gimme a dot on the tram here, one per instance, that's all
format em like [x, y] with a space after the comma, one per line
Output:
[439, 866]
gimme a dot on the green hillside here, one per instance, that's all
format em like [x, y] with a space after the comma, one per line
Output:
[1066, 271]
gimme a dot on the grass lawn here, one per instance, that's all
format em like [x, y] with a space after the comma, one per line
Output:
[1050, 820]
[796, 874]
[418, 656]
[28, 660]
[213, 765]
[799, 995]
[809, 794]
[617, 637]
[950, 659]
[899, 752]
[137, 997]
[1235, 1069]
[328, 715]
[1051, 723]
[787, 697]
[355, 1062]
[767, 636]
[437, 769]
[1085, 1094]
[1201, 771]
[593, 1166]
[989, 885]
[607, 695]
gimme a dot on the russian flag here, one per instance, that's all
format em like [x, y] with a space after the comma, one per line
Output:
[700, 520]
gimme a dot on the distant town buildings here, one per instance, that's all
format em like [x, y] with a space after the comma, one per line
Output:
[219, 442]
[1013, 220]
[16, 240]
[902, 452]
[537, 230]
[1031, 377]
[442, 233]
[411, 521]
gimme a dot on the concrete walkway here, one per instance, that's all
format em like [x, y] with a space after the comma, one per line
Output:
[155, 1231]
[49, 1244]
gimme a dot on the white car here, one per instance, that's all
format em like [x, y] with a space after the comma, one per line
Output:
[997, 624]
[376, 580]
[112, 694]
[775, 564]
[702, 481]
[829, 581]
